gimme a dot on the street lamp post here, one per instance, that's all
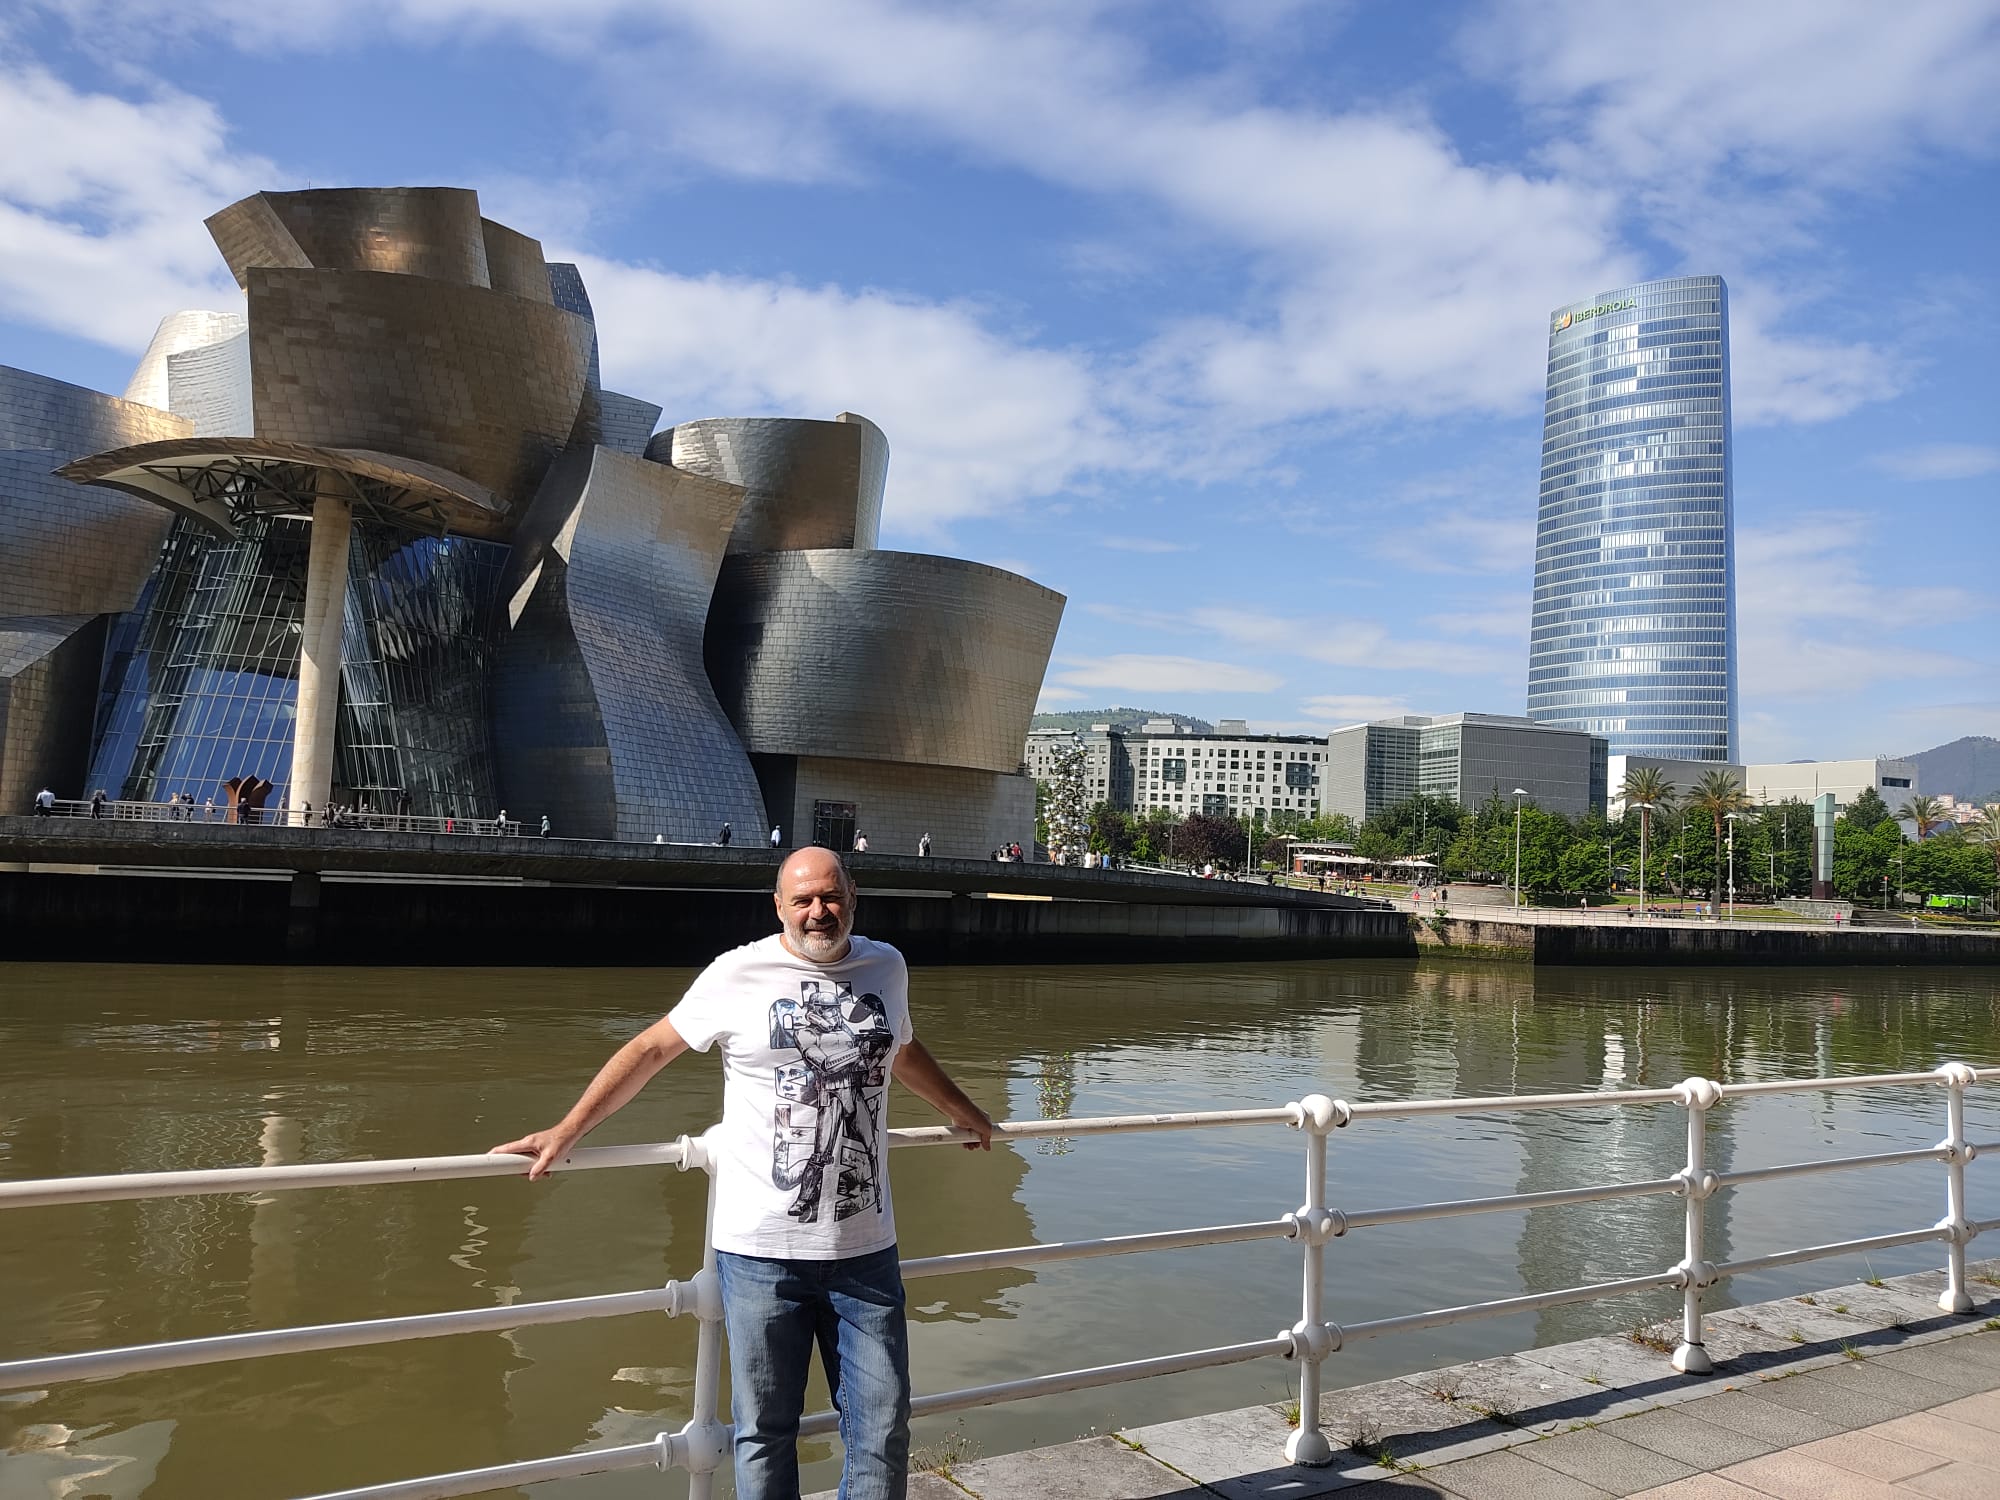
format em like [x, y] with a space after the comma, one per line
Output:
[1519, 793]
[1730, 818]
[1645, 817]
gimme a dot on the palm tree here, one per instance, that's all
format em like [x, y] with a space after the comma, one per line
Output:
[1649, 787]
[1717, 794]
[1926, 812]
[1985, 830]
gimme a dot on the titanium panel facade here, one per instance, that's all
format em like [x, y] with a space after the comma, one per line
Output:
[178, 332]
[432, 232]
[892, 656]
[209, 385]
[481, 384]
[67, 550]
[48, 677]
[514, 263]
[811, 484]
[603, 715]
[1633, 635]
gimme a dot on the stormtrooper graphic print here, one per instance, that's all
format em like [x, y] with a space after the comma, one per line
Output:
[824, 1131]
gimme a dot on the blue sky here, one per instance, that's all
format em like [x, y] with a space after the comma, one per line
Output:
[1228, 320]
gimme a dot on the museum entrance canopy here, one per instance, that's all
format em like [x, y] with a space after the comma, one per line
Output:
[222, 481]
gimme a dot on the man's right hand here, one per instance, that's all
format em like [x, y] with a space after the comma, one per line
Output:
[546, 1146]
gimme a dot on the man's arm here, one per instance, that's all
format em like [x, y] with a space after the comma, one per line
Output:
[922, 1076]
[630, 1069]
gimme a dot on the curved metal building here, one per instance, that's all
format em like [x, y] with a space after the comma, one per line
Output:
[1633, 634]
[396, 546]
[810, 484]
[884, 693]
[603, 716]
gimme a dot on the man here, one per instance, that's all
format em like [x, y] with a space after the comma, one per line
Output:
[813, 1022]
[774, 835]
[45, 803]
[723, 837]
[924, 847]
[860, 843]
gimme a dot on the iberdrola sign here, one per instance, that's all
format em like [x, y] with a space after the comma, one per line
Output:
[1623, 304]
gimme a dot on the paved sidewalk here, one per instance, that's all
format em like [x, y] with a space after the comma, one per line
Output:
[1863, 1392]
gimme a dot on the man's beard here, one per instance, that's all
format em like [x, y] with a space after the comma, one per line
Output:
[823, 944]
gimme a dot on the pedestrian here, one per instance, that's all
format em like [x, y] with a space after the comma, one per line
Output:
[774, 836]
[545, 825]
[207, 809]
[723, 837]
[1014, 850]
[860, 843]
[97, 803]
[500, 823]
[45, 803]
[924, 847]
[308, 814]
[659, 838]
[803, 1227]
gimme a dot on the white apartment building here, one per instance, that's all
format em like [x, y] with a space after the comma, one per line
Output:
[1234, 774]
[1895, 781]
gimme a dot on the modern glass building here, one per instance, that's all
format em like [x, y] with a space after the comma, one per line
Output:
[1634, 628]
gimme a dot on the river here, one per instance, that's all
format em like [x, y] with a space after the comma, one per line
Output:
[139, 1068]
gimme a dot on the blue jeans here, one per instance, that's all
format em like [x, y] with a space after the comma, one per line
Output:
[775, 1311]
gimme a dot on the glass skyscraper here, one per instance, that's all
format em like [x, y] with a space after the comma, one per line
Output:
[1634, 628]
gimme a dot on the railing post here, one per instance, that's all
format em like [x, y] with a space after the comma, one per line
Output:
[1313, 1339]
[1697, 1096]
[703, 1445]
[1956, 1078]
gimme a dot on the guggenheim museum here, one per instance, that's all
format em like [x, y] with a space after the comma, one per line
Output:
[383, 538]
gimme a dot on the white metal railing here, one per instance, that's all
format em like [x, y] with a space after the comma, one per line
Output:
[123, 811]
[701, 1445]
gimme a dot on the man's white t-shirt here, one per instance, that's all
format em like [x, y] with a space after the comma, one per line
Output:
[801, 1155]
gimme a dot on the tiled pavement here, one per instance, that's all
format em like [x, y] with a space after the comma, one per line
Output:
[1863, 1392]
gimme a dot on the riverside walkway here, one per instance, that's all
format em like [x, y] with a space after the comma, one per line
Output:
[1861, 1392]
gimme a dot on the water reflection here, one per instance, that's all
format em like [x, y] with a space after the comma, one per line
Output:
[129, 1069]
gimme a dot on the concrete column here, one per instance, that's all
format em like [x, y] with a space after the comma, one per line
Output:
[319, 653]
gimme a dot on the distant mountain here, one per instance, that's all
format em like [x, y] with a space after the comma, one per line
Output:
[1119, 718]
[1968, 768]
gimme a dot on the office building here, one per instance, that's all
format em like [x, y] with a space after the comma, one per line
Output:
[384, 538]
[1895, 781]
[1633, 635]
[1468, 757]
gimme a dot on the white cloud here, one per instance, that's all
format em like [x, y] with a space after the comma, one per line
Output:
[1812, 625]
[1338, 709]
[975, 420]
[1163, 674]
[1940, 461]
[101, 206]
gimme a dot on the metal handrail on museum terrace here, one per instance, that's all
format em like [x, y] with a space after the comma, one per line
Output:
[277, 817]
[702, 1444]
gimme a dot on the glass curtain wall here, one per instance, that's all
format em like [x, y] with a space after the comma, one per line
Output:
[1634, 629]
[201, 682]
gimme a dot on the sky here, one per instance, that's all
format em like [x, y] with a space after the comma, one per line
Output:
[1227, 318]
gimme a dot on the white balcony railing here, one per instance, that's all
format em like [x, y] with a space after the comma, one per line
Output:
[701, 1445]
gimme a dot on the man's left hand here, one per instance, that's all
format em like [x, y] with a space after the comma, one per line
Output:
[980, 1124]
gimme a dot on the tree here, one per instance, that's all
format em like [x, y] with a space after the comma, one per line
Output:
[1583, 868]
[1926, 812]
[1203, 838]
[1866, 811]
[1985, 830]
[1715, 797]
[1111, 831]
[1949, 865]
[1649, 787]
[1863, 856]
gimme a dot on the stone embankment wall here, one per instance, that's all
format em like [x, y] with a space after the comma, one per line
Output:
[1661, 943]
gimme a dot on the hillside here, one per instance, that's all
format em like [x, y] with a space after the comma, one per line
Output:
[1968, 768]
[1122, 718]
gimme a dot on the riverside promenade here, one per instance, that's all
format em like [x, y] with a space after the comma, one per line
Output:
[1861, 1392]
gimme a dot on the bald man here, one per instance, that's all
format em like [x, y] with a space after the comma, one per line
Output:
[813, 1022]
